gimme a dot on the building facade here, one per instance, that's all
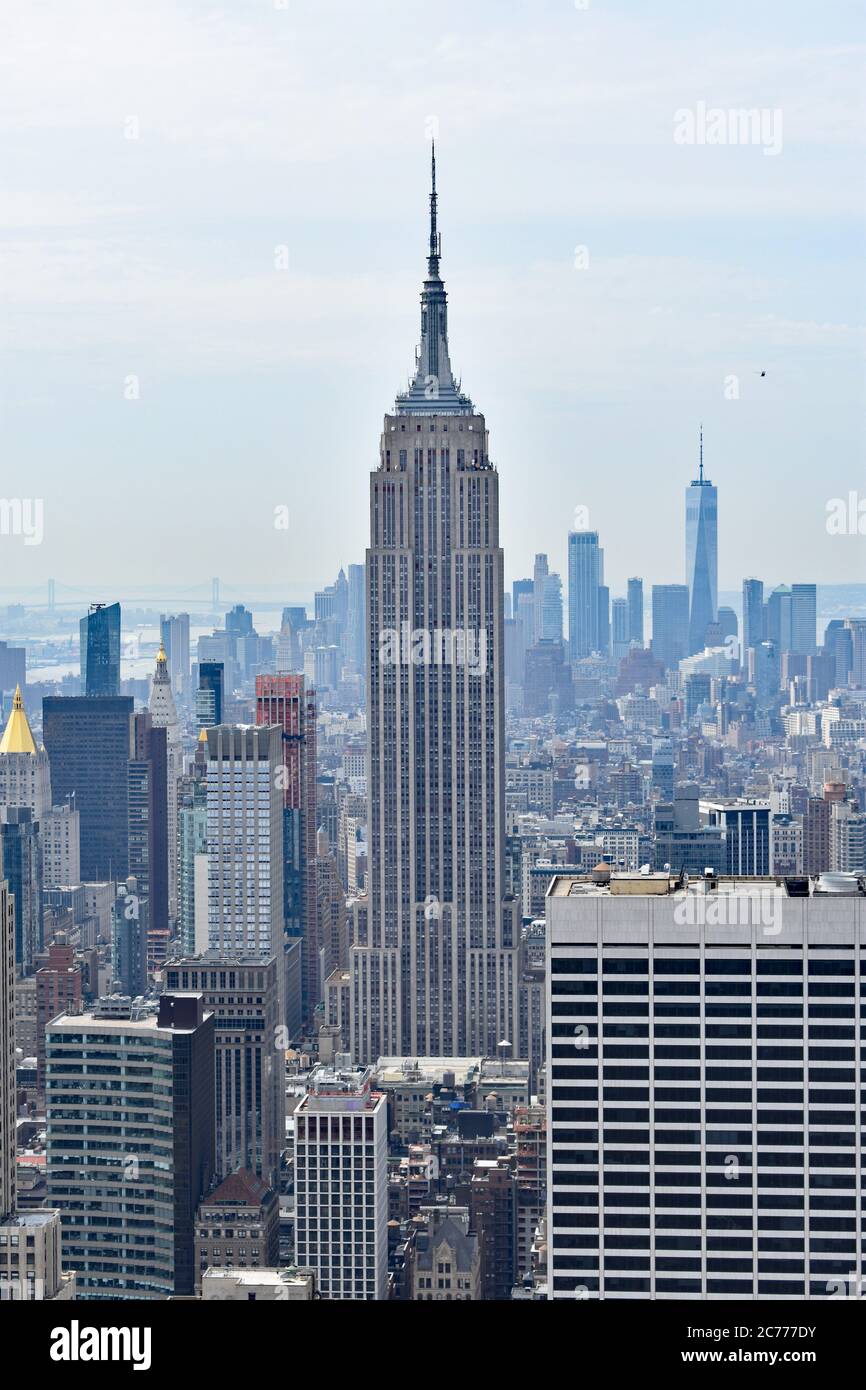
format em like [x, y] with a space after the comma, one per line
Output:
[164, 716]
[130, 1115]
[245, 840]
[670, 618]
[434, 942]
[585, 579]
[284, 701]
[237, 1226]
[341, 1184]
[703, 1138]
[100, 649]
[89, 745]
[243, 995]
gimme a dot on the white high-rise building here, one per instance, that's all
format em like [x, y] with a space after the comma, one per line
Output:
[435, 943]
[245, 839]
[164, 716]
[341, 1183]
[174, 641]
[847, 838]
[61, 846]
[703, 1087]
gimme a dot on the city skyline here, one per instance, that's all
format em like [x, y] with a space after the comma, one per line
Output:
[433, 871]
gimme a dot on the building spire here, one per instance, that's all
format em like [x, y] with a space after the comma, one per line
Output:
[435, 240]
[433, 390]
[701, 471]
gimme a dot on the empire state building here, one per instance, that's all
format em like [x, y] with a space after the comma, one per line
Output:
[433, 968]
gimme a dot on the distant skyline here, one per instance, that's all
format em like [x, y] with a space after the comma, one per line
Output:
[605, 282]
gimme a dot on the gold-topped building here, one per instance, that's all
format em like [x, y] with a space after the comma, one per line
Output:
[17, 737]
[25, 778]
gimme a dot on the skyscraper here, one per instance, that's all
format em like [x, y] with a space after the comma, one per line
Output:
[519, 588]
[164, 715]
[435, 945]
[619, 629]
[604, 620]
[839, 649]
[670, 622]
[129, 921]
[244, 995]
[100, 649]
[753, 615]
[551, 612]
[174, 637]
[25, 798]
[804, 604]
[22, 869]
[635, 611]
[355, 625]
[857, 628]
[192, 861]
[341, 1183]
[764, 673]
[130, 1109]
[30, 1241]
[210, 694]
[683, 1011]
[13, 666]
[286, 702]
[60, 829]
[25, 779]
[147, 810]
[585, 578]
[245, 842]
[540, 572]
[779, 612]
[702, 564]
[89, 744]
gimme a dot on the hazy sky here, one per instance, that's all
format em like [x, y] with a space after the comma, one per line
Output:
[157, 159]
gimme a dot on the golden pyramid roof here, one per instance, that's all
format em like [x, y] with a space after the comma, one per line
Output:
[17, 737]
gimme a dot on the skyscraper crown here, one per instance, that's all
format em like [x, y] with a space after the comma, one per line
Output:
[17, 737]
[433, 390]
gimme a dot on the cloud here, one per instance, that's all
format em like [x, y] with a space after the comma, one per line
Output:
[155, 156]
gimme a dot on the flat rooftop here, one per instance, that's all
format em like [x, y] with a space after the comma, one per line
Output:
[392, 1070]
[664, 884]
[259, 1277]
[32, 1220]
[146, 1025]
